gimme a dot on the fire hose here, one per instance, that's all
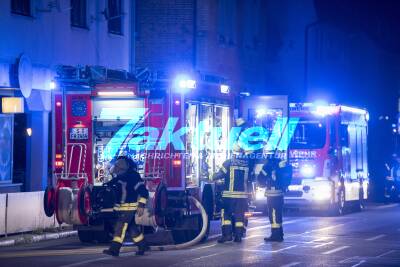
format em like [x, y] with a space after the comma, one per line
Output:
[194, 241]
[72, 218]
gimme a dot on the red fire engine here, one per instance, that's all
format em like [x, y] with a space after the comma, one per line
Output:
[100, 113]
[328, 152]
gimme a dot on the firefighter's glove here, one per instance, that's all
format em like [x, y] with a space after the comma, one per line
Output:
[140, 209]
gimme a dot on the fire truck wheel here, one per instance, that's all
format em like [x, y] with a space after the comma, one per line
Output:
[84, 204]
[85, 236]
[49, 201]
[339, 208]
[102, 236]
[161, 202]
[185, 235]
[360, 203]
[180, 236]
[208, 204]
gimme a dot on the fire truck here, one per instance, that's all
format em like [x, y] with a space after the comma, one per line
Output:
[177, 130]
[328, 152]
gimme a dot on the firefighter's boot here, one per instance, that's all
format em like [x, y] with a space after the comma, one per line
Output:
[239, 229]
[238, 239]
[276, 235]
[142, 248]
[226, 234]
[141, 244]
[113, 250]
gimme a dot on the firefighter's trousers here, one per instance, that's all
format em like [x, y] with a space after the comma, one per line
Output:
[233, 210]
[275, 210]
[126, 224]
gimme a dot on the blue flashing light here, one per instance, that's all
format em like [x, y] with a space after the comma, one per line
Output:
[224, 89]
[184, 82]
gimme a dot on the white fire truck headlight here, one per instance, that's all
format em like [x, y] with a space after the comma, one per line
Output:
[322, 192]
[260, 193]
[307, 171]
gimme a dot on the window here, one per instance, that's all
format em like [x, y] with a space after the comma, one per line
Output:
[309, 135]
[251, 24]
[78, 13]
[115, 16]
[6, 144]
[344, 135]
[21, 7]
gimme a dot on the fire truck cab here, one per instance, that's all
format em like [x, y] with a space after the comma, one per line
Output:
[328, 152]
[177, 130]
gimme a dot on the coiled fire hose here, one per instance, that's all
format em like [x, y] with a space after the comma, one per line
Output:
[194, 241]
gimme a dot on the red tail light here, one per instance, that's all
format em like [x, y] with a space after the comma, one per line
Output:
[176, 162]
[59, 163]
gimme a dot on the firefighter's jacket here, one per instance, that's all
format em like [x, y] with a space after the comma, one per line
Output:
[235, 172]
[130, 191]
[276, 176]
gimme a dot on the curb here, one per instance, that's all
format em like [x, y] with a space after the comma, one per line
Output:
[30, 238]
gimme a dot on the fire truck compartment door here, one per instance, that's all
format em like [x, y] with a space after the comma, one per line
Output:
[116, 109]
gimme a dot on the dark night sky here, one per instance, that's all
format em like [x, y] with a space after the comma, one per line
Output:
[379, 19]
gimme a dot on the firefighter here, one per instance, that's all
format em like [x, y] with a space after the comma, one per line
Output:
[235, 173]
[276, 176]
[131, 197]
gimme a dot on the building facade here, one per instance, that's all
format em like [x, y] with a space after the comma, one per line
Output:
[38, 36]
[223, 38]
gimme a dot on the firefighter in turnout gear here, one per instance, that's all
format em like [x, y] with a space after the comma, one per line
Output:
[275, 176]
[131, 197]
[235, 174]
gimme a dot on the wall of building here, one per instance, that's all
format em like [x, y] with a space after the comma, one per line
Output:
[286, 24]
[164, 34]
[48, 39]
[209, 36]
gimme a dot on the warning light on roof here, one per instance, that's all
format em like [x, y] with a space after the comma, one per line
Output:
[261, 112]
[184, 82]
[110, 93]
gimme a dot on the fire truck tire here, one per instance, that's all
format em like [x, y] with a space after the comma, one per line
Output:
[84, 203]
[196, 239]
[185, 235]
[102, 236]
[161, 203]
[180, 236]
[49, 201]
[208, 204]
[340, 207]
[86, 236]
[360, 203]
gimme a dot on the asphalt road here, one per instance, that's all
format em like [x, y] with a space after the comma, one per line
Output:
[368, 238]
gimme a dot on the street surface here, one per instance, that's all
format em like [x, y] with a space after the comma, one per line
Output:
[368, 238]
